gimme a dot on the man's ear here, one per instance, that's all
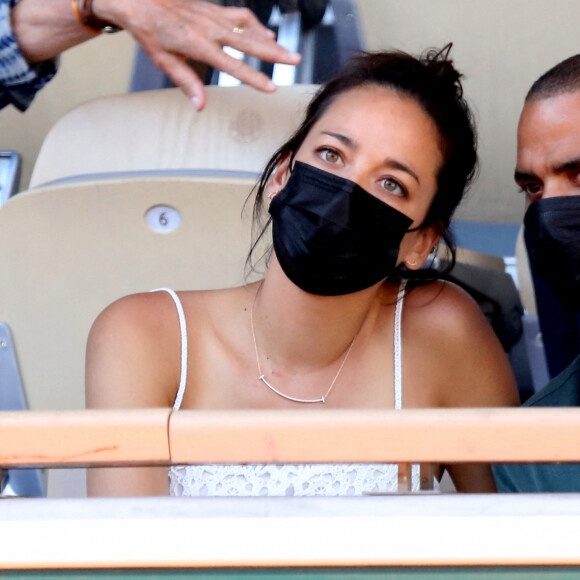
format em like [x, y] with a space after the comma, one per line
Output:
[279, 177]
[426, 239]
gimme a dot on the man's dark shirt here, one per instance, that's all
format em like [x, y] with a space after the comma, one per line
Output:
[562, 391]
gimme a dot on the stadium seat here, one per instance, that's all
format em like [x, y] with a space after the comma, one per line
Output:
[153, 131]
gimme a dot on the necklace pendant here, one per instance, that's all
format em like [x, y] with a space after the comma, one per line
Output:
[262, 378]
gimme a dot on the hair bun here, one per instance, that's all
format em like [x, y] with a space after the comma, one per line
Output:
[437, 60]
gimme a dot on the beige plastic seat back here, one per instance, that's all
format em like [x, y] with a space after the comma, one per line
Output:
[479, 259]
[70, 250]
[239, 130]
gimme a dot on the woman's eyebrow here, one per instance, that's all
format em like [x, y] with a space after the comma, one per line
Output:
[394, 164]
[343, 139]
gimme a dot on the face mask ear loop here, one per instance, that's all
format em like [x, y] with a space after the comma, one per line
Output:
[419, 227]
[424, 225]
[291, 162]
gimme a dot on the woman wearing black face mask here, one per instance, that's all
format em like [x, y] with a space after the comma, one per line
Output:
[357, 197]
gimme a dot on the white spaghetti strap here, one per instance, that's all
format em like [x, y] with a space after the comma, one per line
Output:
[398, 347]
[183, 332]
[398, 367]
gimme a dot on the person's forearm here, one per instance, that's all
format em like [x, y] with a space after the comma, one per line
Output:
[45, 28]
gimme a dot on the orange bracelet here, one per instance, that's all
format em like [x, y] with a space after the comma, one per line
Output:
[84, 13]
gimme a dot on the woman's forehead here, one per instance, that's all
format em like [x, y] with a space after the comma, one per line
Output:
[376, 105]
[384, 119]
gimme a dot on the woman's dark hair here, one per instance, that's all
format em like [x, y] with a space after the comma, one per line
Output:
[434, 83]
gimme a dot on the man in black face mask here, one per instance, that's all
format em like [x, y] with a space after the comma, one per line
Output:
[548, 171]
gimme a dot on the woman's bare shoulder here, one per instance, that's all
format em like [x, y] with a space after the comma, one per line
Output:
[155, 310]
[129, 352]
[448, 307]
[448, 328]
[134, 350]
[134, 346]
[136, 316]
[134, 308]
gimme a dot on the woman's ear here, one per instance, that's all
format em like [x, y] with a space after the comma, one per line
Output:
[279, 177]
[426, 239]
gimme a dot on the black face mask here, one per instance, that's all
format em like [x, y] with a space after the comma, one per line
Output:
[332, 237]
[552, 235]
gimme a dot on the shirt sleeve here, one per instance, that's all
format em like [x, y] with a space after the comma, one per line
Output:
[19, 81]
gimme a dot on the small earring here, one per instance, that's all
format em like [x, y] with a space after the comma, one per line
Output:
[413, 263]
[272, 194]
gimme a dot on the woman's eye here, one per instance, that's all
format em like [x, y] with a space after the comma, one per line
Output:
[330, 156]
[392, 186]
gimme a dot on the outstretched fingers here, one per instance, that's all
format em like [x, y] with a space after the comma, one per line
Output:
[171, 31]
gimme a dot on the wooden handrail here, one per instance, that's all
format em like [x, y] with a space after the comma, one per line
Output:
[430, 435]
[158, 436]
[79, 438]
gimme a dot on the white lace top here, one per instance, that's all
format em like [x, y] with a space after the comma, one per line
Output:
[287, 480]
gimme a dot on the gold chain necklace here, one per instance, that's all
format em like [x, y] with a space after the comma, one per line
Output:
[261, 377]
